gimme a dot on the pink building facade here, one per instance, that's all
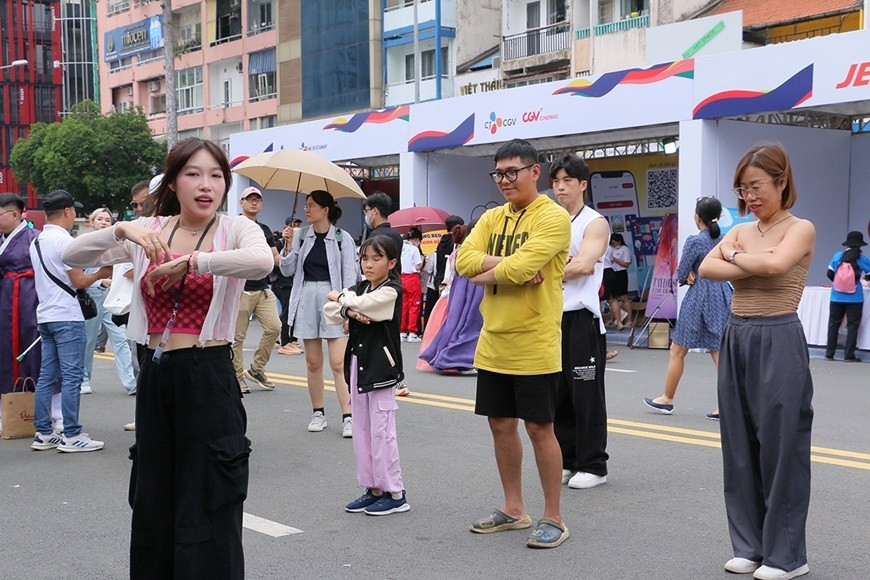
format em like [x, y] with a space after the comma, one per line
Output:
[225, 65]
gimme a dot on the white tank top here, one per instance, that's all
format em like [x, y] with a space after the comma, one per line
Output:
[582, 292]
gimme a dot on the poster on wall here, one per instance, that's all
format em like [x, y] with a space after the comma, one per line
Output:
[662, 301]
[645, 232]
[613, 194]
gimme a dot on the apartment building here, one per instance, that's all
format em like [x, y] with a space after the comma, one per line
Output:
[30, 84]
[329, 58]
[78, 59]
[225, 64]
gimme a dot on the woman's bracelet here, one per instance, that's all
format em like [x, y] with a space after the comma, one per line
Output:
[191, 263]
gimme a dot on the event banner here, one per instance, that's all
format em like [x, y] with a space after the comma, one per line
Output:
[628, 98]
[353, 136]
[662, 302]
[784, 76]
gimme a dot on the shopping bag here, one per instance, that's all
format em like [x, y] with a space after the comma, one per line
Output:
[120, 292]
[16, 410]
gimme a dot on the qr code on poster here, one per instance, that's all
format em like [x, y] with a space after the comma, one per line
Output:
[661, 188]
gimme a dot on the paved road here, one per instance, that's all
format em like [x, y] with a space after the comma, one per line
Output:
[660, 516]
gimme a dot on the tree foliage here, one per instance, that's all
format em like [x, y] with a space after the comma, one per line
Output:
[96, 158]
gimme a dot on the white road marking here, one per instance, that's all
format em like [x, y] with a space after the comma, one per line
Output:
[620, 371]
[267, 527]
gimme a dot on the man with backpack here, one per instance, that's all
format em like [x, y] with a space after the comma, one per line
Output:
[847, 295]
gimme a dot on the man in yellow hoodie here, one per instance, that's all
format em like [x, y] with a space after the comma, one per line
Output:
[518, 251]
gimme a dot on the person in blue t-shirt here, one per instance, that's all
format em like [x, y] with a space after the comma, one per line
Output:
[848, 305]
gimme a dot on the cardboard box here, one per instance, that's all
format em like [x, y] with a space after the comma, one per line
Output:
[660, 335]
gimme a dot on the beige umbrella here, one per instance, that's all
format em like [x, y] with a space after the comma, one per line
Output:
[300, 171]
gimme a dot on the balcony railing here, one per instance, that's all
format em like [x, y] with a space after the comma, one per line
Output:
[641, 21]
[537, 41]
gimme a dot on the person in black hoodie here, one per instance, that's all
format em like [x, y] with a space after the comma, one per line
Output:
[371, 311]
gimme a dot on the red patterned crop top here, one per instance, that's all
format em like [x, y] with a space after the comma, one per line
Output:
[194, 305]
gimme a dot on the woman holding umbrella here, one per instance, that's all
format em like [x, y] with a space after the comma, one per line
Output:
[320, 259]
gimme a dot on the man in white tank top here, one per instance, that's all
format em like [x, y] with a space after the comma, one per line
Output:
[581, 414]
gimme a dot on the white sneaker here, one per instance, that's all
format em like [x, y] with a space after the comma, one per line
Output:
[402, 390]
[347, 428]
[404, 337]
[583, 480]
[742, 565]
[79, 443]
[318, 422]
[130, 426]
[771, 573]
[414, 338]
[567, 474]
[86, 389]
[42, 442]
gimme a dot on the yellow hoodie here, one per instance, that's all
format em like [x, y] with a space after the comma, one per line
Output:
[521, 332]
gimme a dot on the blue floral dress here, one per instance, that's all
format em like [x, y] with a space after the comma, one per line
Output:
[707, 305]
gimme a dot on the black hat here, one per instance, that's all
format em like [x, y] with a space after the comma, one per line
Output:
[854, 240]
[59, 199]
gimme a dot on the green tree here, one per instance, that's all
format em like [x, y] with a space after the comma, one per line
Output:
[96, 158]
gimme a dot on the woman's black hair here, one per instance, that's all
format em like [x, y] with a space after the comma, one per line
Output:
[709, 209]
[617, 238]
[851, 255]
[382, 246]
[325, 199]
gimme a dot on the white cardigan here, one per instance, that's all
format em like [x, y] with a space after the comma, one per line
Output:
[240, 253]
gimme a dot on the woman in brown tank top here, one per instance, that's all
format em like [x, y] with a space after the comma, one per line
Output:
[765, 387]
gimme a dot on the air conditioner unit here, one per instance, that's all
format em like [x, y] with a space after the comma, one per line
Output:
[130, 91]
[496, 62]
[153, 86]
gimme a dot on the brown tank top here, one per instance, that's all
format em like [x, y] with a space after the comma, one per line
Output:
[769, 295]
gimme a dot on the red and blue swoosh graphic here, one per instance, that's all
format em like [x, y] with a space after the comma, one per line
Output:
[786, 96]
[236, 160]
[429, 140]
[636, 76]
[350, 125]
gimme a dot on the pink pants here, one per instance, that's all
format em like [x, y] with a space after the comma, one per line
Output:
[374, 436]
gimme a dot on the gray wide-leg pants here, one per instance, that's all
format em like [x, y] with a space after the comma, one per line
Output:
[765, 405]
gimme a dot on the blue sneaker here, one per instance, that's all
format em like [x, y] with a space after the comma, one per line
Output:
[362, 502]
[660, 407]
[386, 505]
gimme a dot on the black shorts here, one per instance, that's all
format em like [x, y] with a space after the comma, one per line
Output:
[527, 397]
[615, 283]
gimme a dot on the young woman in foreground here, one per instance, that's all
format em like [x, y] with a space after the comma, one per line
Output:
[765, 386]
[190, 460]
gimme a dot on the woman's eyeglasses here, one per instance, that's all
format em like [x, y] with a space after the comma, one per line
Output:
[753, 190]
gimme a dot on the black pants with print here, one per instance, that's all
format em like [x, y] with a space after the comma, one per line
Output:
[190, 468]
[581, 412]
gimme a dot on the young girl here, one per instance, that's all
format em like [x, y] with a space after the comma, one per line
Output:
[372, 311]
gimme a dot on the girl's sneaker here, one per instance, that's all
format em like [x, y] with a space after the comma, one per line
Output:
[386, 505]
[362, 502]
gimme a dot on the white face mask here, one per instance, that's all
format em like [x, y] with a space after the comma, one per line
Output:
[369, 220]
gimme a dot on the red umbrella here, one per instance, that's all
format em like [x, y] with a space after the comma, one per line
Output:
[422, 218]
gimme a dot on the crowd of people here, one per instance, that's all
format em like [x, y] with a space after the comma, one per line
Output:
[524, 279]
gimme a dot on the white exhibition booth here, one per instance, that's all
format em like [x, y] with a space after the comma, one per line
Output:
[443, 148]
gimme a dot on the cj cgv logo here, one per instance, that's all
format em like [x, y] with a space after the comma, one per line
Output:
[495, 123]
[858, 76]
